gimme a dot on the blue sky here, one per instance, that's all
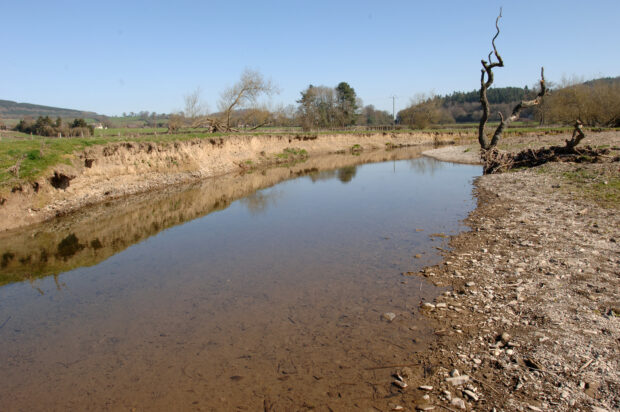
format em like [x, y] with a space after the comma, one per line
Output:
[113, 57]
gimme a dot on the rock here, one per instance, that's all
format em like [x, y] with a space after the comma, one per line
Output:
[534, 408]
[425, 388]
[388, 316]
[470, 284]
[400, 384]
[447, 394]
[597, 409]
[424, 407]
[458, 402]
[471, 395]
[441, 305]
[505, 337]
[454, 372]
[397, 408]
[428, 305]
[458, 380]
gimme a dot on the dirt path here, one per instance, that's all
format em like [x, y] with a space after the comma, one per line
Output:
[531, 319]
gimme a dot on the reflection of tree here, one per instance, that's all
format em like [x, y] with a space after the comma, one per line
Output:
[346, 174]
[426, 165]
[323, 175]
[258, 202]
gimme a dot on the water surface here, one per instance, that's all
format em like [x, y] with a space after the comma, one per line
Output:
[189, 299]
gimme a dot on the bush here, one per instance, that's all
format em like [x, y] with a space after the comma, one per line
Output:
[44, 126]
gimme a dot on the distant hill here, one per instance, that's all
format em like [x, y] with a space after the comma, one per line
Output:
[14, 110]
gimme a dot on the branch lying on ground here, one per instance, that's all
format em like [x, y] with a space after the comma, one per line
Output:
[496, 161]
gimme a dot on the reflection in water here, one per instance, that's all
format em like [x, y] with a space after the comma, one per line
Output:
[96, 234]
[426, 165]
[258, 202]
[273, 303]
[346, 174]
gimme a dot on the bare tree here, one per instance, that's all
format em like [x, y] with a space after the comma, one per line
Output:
[486, 80]
[495, 161]
[243, 94]
[194, 106]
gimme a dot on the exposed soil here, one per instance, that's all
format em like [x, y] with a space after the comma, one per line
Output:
[531, 322]
[101, 173]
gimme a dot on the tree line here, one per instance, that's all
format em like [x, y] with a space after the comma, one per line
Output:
[45, 126]
[594, 103]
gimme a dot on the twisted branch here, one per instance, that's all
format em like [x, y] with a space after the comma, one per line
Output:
[487, 68]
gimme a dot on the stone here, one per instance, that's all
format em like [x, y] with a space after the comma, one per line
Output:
[454, 372]
[458, 402]
[458, 380]
[428, 305]
[424, 407]
[470, 284]
[471, 395]
[388, 316]
[425, 388]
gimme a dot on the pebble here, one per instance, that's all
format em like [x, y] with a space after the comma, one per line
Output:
[428, 305]
[458, 402]
[424, 407]
[425, 388]
[454, 372]
[441, 305]
[534, 408]
[471, 395]
[389, 316]
[470, 284]
[458, 380]
[400, 384]
[447, 394]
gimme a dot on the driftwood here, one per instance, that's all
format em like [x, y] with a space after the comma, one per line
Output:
[486, 80]
[497, 161]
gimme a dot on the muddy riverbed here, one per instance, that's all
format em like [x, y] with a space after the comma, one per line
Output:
[277, 289]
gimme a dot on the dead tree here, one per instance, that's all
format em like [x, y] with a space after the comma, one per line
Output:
[486, 80]
[496, 161]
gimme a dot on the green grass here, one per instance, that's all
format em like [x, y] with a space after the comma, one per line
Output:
[598, 186]
[35, 156]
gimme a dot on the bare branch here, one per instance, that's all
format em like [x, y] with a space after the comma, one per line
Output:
[517, 110]
[487, 68]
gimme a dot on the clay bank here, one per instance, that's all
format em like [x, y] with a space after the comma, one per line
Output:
[100, 173]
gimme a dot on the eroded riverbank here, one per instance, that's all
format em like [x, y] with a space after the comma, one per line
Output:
[100, 173]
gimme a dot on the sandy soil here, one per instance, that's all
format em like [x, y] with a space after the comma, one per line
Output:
[101, 173]
[531, 320]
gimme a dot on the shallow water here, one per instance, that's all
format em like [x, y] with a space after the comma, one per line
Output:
[191, 300]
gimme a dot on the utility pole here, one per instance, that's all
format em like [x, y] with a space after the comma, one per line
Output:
[393, 111]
